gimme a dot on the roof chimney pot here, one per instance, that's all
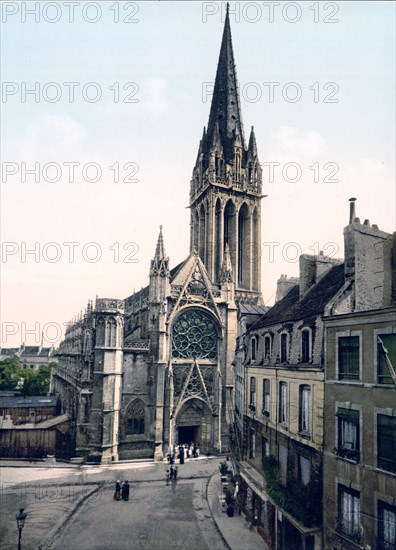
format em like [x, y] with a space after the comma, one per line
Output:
[352, 209]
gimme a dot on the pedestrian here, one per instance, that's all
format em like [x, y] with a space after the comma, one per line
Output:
[117, 494]
[181, 456]
[171, 472]
[125, 491]
[175, 473]
[167, 477]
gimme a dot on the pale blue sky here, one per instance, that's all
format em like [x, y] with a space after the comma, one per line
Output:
[170, 52]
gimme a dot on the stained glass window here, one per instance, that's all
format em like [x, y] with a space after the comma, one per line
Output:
[194, 336]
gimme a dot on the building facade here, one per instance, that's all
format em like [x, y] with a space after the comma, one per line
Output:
[360, 397]
[320, 424]
[153, 370]
[281, 475]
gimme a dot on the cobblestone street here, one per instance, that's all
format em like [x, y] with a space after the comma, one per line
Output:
[76, 510]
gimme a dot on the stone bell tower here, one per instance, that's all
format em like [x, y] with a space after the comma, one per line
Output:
[226, 186]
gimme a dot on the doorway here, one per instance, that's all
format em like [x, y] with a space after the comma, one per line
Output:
[188, 435]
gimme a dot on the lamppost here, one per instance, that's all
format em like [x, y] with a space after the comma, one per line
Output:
[21, 523]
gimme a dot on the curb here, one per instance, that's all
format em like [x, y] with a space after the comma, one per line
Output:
[64, 523]
[211, 513]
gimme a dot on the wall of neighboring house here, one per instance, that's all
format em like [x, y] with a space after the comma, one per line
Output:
[354, 470]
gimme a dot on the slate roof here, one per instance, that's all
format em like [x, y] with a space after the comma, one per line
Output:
[31, 401]
[30, 350]
[291, 308]
[251, 309]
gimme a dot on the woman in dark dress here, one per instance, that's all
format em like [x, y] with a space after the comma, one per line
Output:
[117, 494]
[125, 491]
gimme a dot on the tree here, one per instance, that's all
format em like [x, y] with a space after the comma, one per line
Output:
[37, 382]
[10, 373]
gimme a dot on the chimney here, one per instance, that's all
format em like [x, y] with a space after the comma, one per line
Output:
[368, 263]
[284, 286]
[307, 273]
[352, 213]
[312, 269]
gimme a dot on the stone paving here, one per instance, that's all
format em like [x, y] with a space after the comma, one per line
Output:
[72, 508]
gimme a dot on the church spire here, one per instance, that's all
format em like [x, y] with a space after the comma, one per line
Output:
[225, 109]
[252, 149]
[160, 249]
[227, 273]
[160, 262]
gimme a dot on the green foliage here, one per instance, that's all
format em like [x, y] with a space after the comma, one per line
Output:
[10, 373]
[223, 467]
[37, 382]
[301, 501]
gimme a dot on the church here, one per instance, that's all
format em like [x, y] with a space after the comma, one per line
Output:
[155, 369]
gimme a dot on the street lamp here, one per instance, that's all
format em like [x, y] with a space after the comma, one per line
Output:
[21, 523]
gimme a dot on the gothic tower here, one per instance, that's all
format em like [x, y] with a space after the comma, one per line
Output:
[225, 194]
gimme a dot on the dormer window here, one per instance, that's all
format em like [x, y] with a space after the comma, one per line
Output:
[253, 348]
[306, 345]
[284, 344]
[267, 346]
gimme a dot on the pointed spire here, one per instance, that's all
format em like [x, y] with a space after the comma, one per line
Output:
[160, 250]
[160, 263]
[225, 108]
[252, 144]
[227, 273]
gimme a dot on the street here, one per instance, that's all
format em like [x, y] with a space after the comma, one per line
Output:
[73, 508]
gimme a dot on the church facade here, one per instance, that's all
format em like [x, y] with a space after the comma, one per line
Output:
[136, 375]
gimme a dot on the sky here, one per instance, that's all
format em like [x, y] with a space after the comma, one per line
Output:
[106, 102]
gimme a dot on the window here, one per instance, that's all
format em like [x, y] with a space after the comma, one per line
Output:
[267, 347]
[194, 336]
[135, 418]
[386, 526]
[252, 404]
[266, 397]
[265, 450]
[283, 348]
[252, 443]
[305, 346]
[305, 409]
[304, 470]
[348, 520]
[386, 442]
[348, 358]
[348, 433]
[253, 348]
[282, 464]
[386, 353]
[283, 402]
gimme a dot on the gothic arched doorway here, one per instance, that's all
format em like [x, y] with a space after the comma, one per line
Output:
[194, 425]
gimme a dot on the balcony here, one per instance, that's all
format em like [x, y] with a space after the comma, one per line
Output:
[382, 544]
[302, 502]
[349, 454]
[349, 530]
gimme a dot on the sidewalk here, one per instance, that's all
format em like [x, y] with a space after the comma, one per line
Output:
[236, 530]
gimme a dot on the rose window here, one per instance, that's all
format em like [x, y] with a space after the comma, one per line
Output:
[194, 336]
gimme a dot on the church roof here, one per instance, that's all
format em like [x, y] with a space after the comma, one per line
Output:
[291, 308]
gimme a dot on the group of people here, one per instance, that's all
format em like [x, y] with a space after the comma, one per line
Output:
[182, 451]
[121, 492]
